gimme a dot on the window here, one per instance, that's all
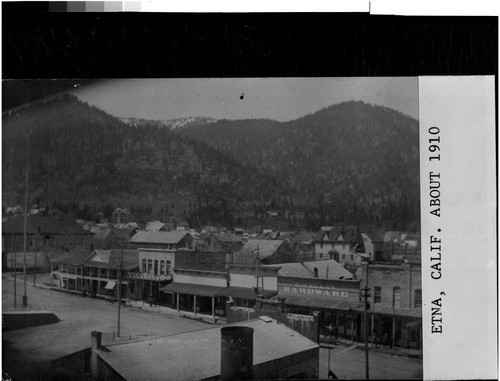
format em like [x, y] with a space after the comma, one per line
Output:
[377, 294]
[169, 267]
[343, 257]
[144, 267]
[156, 267]
[150, 266]
[162, 267]
[418, 298]
[396, 297]
[321, 244]
[352, 258]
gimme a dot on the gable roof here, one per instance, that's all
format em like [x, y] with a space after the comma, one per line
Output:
[339, 233]
[328, 269]
[161, 237]
[145, 359]
[267, 247]
[112, 259]
[154, 226]
[42, 225]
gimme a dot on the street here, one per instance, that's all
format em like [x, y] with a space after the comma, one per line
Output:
[349, 363]
[79, 316]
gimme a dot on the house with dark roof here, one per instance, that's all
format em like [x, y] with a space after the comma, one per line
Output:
[171, 240]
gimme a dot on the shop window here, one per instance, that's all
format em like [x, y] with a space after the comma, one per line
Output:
[150, 266]
[396, 297]
[418, 298]
[144, 266]
[162, 267]
[377, 294]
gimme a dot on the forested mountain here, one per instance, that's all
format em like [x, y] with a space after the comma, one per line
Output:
[85, 162]
[350, 163]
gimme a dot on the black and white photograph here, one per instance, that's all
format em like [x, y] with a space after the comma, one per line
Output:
[222, 227]
[160, 211]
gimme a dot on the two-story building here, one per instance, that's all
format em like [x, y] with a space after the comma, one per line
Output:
[395, 314]
[95, 273]
[341, 243]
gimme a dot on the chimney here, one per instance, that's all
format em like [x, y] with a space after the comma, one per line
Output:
[95, 345]
[236, 353]
[315, 272]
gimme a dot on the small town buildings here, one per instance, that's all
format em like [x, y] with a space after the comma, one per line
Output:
[47, 235]
[95, 273]
[247, 283]
[196, 291]
[274, 352]
[395, 313]
[265, 251]
[171, 240]
[334, 299]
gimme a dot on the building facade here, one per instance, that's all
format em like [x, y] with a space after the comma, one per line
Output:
[98, 273]
[395, 315]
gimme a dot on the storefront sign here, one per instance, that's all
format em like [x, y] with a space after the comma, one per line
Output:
[313, 291]
[144, 276]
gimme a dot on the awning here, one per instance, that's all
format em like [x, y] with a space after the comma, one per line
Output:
[192, 289]
[246, 293]
[111, 284]
[319, 303]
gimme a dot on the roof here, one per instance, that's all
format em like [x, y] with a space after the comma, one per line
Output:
[319, 303]
[339, 233]
[197, 355]
[306, 269]
[227, 237]
[154, 226]
[42, 225]
[246, 293]
[170, 237]
[74, 258]
[267, 247]
[192, 289]
[113, 259]
[100, 233]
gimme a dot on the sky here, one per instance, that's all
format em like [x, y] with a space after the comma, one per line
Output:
[281, 99]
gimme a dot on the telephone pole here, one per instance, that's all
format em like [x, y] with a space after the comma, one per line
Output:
[366, 295]
[257, 269]
[25, 297]
[120, 287]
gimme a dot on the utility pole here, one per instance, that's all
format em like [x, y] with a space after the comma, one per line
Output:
[366, 295]
[120, 287]
[257, 269]
[25, 297]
